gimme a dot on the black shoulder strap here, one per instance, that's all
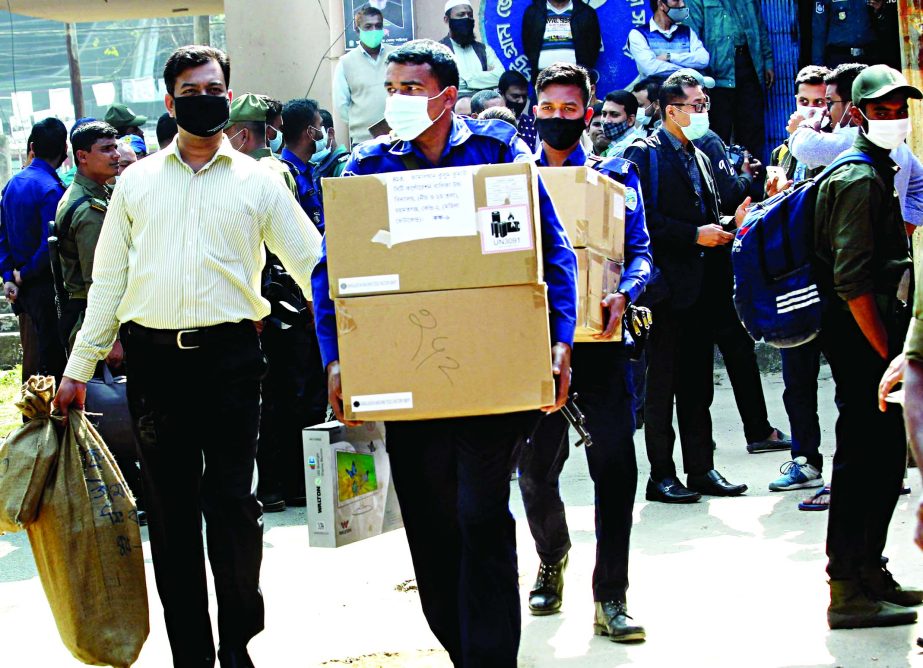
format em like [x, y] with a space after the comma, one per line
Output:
[594, 161]
[410, 160]
[65, 226]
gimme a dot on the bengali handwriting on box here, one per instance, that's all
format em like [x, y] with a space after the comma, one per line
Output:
[427, 204]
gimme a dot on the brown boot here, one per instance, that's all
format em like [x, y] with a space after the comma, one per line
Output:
[879, 584]
[851, 608]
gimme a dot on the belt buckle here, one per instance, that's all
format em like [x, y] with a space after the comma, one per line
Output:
[179, 339]
[856, 52]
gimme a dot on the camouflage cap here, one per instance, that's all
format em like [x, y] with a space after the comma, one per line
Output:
[880, 80]
[249, 107]
[120, 116]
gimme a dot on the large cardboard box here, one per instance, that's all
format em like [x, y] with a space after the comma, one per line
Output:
[348, 479]
[433, 229]
[591, 207]
[597, 276]
[445, 353]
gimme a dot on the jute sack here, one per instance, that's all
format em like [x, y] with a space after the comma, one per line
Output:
[27, 456]
[87, 547]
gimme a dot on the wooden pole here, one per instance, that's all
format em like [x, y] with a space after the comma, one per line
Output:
[911, 22]
[73, 62]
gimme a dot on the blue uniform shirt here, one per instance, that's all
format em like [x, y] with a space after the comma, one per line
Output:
[29, 202]
[471, 142]
[638, 260]
[308, 188]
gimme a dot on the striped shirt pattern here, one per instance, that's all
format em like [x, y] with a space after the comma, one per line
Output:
[182, 249]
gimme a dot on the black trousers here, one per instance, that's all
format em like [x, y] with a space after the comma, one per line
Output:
[36, 298]
[681, 365]
[871, 448]
[192, 407]
[737, 113]
[603, 381]
[452, 478]
[800, 366]
[294, 397]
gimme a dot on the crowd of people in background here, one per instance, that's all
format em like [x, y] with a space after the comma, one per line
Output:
[685, 138]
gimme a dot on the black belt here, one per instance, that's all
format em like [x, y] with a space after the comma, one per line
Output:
[187, 339]
[850, 50]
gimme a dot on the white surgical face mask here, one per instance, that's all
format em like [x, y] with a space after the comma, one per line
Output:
[408, 115]
[888, 134]
[808, 112]
[698, 125]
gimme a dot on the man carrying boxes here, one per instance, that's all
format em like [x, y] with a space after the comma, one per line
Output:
[612, 224]
[445, 324]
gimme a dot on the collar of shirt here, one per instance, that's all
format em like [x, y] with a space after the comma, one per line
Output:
[577, 157]
[687, 153]
[288, 156]
[42, 166]
[552, 8]
[91, 186]
[881, 156]
[225, 150]
[260, 153]
[656, 28]
[459, 134]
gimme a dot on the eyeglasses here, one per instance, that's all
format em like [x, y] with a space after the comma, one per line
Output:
[829, 104]
[698, 106]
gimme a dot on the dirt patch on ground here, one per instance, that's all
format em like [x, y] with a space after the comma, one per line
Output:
[431, 658]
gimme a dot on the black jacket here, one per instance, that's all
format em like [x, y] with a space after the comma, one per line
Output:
[673, 215]
[584, 24]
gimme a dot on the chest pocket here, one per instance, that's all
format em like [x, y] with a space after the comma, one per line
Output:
[840, 11]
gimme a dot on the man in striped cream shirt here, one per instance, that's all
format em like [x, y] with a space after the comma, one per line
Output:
[178, 269]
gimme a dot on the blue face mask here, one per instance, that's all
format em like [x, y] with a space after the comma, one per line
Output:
[320, 156]
[275, 145]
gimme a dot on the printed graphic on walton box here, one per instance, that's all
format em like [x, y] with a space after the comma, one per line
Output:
[505, 228]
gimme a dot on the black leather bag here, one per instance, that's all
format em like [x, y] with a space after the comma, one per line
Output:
[107, 409]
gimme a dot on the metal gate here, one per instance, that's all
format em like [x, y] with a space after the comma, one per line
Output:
[781, 18]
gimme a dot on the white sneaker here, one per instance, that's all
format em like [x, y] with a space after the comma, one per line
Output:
[796, 474]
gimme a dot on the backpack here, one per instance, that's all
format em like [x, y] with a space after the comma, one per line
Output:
[775, 289]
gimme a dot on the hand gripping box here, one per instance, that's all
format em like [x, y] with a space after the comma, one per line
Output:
[448, 353]
[591, 207]
[433, 229]
[597, 276]
[348, 482]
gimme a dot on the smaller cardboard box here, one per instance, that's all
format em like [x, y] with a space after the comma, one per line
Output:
[433, 229]
[448, 353]
[348, 480]
[591, 207]
[597, 276]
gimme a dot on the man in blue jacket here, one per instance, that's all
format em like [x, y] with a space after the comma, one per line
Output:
[603, 381]
[452, 475]
[29, 203]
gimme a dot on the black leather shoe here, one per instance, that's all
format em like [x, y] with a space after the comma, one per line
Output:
[234, 657]
[714, 484]
[273, 502]
[669, 490]
[548, 591]
[612, 620]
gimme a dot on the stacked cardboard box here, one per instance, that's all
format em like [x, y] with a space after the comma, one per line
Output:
[436, 277]
[591, 207]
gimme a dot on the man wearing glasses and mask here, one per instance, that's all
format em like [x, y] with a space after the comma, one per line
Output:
[691, 242]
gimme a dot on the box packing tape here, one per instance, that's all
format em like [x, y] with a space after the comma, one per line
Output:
[345, 322]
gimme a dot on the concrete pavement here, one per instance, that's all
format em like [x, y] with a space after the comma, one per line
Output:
[725, 582]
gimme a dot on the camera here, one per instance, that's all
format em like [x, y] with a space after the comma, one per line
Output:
[736, 156]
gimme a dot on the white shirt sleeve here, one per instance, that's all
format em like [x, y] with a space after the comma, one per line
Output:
[818, 149]
[912, 197]
[342, 98]
[480, 79]
[697, 58]
[644, 56]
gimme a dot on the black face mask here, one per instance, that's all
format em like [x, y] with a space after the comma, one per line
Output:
[560, 133]
[516, 107]
[462, 30]
[202, 115]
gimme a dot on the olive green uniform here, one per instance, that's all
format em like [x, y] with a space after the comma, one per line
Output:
[78, 247]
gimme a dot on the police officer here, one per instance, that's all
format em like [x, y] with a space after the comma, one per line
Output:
[79, 219]
[294, 389]
[247, 133]
[125, 121]
[602, 378]
[303, 132]
[452, 476]
[842, 32]
[861, 258]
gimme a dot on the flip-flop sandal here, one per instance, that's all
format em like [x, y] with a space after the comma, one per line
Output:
[813, 504]
[905, 490]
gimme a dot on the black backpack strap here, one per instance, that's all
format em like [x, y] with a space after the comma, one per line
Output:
[410, 160]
